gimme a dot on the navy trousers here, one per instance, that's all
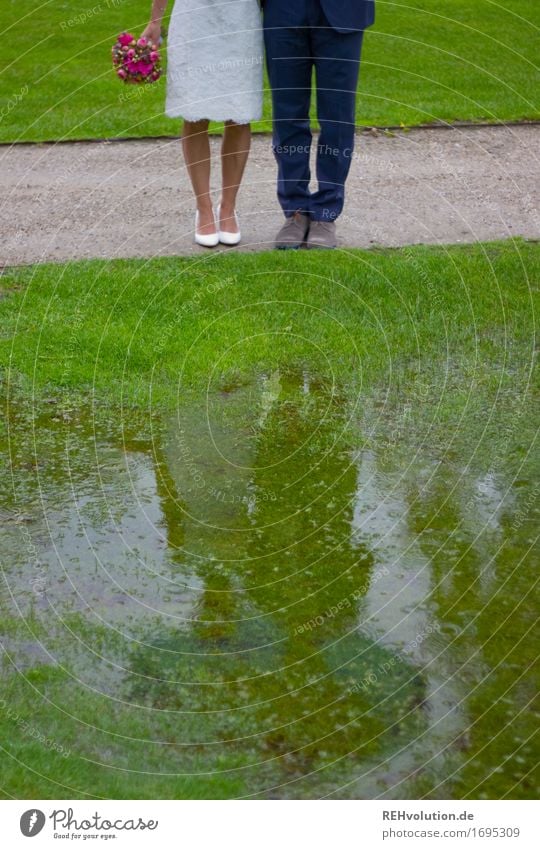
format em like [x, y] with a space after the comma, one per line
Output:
[298, 40]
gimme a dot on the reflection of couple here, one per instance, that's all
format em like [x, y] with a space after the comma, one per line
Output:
[259, 491]
[215, 74]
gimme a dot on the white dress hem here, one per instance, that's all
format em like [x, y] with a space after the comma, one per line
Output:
[215, 61]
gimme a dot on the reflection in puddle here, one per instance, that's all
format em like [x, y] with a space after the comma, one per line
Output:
[249, 566]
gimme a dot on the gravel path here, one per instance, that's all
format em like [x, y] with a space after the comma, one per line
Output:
[131, 199]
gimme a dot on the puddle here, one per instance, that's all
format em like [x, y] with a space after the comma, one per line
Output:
[328, 603]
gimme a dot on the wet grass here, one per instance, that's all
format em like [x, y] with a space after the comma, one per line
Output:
[352, 618]
[141, 332]
[61, 738]
[331, 589]
[422, 63]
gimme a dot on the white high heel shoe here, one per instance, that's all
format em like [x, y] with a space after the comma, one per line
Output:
[209, 241]
[224, 237]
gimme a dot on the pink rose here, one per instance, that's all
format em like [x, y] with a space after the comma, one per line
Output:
[142, 42]
[145, 68]
[155, 75]
[154, 56]
[125, 39]
[132, 67]
[130, 53]
[122, 74]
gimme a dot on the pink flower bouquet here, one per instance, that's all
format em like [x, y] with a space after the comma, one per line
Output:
[136, 60]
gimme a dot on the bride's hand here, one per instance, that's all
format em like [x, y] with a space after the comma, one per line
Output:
[152, 33]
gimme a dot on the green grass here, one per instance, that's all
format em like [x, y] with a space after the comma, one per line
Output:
[136, 329]
[59, 752]
[450, 330]
[424, 61]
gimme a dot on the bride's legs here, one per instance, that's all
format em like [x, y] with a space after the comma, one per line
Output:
[234, 154]
[196, 146]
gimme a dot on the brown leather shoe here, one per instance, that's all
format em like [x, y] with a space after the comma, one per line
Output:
[293, 233]
[322, 234]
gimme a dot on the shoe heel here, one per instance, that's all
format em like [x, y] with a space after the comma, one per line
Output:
[225, 238]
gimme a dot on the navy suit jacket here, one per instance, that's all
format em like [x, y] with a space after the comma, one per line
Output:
[346, 15]
[342, 15]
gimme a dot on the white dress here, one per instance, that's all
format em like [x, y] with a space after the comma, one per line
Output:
[215, 61]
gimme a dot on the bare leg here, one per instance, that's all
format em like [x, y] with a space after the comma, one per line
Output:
[196, 148]
[234, 154]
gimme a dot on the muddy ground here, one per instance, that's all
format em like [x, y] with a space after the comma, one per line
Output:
[132, 198]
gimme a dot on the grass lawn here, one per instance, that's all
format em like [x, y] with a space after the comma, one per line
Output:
[424, 61]
[133, 329]
[437, 345]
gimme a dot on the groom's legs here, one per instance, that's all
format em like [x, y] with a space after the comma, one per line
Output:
[337, 59]
[290, 66]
